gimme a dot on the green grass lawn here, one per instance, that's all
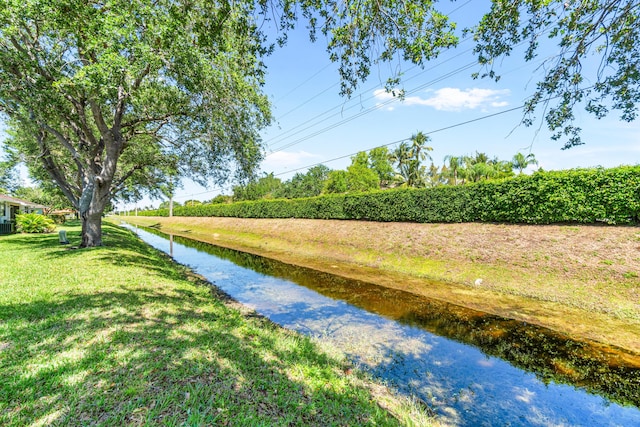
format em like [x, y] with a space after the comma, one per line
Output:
[120, 335]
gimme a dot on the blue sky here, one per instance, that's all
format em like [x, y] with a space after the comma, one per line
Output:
[313, 124]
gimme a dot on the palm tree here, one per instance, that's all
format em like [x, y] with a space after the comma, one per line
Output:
[481, 158]
[478, 167]
[419, 152]
[455, 164]
[419, 149]
[401, 157]
[436, 175]
[483, 171]
[409, 158]
[521, 162]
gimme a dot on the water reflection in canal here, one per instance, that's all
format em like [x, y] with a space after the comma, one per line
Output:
[471, 367]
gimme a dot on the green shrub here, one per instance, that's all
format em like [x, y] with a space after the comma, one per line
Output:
[34, 223]
[58, 218]
[588, 196]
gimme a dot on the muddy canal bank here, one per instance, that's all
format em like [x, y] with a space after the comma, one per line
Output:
[582, 281]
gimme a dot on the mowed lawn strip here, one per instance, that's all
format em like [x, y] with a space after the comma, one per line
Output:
[120, 335]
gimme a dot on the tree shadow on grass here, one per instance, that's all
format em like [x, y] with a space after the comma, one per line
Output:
[120, 247]
[174, 355]
[112, 236]
[32, 241]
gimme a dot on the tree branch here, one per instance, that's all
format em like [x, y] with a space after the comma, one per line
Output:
[99, 118]
[86, 129]
[33, 46]
[162, 118]
[65, 143]
[123, 96]
[54, 171]
[118, 185]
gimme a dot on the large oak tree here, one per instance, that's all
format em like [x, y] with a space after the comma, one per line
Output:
[107, 95]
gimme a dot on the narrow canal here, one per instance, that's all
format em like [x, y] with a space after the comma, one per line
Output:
[472, 368]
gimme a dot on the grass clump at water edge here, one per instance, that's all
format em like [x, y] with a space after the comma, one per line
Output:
[120, 335]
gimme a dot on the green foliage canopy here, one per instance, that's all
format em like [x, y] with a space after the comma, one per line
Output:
[361, 178]
[307, 184]
[165, 204]
[336, 182]
[103, 97]
[521, 162]
[8, 178]
[408, 156]
[379, 161]
[50, 197]
[607, 30]
[261, 188]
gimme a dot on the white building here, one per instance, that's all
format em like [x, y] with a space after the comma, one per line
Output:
[10, 207]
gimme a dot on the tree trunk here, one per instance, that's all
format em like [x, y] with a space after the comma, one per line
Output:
[91, 229]
[93, 202]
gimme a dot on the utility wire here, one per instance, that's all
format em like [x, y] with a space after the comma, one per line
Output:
[477, 119]
[347, 120]
[370, 109]
[459, 7]
[297, 107]
[369, 149]
[284, 136]
[455, 125]
[281, 137]
[389, 101]
[305, 82]
[362, 113]
[188, 196]
[442, 129]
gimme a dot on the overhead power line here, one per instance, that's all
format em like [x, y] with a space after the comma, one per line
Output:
[450, 13]
[466, 122]
[288, 134]
[305, 82]
[370, 109]
[308, 100]
[369, 149]
[455, 125]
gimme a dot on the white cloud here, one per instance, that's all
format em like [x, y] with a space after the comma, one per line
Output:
[453, 99]
[499, 104]
[384, 98]
[287, 160]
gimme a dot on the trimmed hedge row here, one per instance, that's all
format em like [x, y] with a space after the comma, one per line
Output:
[572, 196]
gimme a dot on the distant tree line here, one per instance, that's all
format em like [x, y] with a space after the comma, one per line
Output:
[408, 165]
[586, 196]
[380, 168]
